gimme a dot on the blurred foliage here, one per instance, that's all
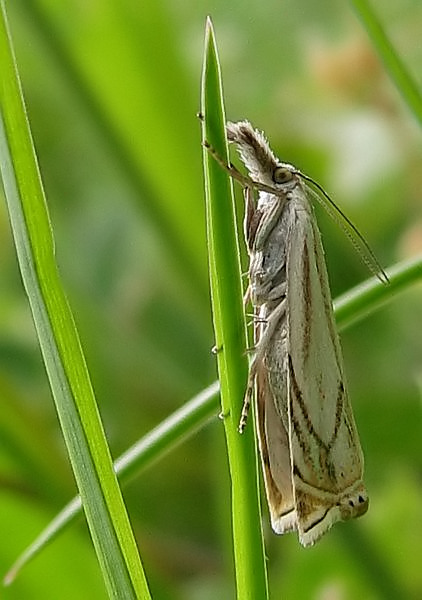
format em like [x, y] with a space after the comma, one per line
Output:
[112, 89]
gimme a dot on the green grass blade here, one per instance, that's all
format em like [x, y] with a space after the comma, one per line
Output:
[230, 336]
[364, 299]
[59, 342]
[392, 61]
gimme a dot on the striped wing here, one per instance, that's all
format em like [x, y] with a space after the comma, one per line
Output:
[324, 445]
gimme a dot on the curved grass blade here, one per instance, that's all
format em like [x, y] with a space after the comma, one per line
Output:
[369, 296]
[60, 346]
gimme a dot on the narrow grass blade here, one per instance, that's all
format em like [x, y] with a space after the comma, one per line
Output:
[369, 296]
[230, 336]
[392, 61]
[64, 361]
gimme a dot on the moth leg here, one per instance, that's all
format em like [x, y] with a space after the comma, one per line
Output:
[236, 174]
[246, 405]
[230, 168]
[278, 292]
[247, 296]
[272, 321]
[256, 319]
[223, 415]
[251, 218]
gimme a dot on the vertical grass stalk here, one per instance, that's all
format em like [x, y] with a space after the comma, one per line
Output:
[230, 336]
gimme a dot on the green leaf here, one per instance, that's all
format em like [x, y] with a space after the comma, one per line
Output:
[64, 361]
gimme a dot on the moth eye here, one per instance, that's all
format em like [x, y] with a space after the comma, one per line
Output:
[282, 175]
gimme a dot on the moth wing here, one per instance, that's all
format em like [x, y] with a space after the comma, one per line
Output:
[324, 444]
[275, 457]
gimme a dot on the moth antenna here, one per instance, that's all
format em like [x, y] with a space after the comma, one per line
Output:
[352, 232]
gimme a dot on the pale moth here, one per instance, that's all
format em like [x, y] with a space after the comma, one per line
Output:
[311, 455]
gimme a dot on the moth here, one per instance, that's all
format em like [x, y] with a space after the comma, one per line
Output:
[309, 445]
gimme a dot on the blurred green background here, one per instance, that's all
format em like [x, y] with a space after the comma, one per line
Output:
[112, 90]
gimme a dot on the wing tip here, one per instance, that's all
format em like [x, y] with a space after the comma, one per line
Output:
[283, 523]
[352, 504]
